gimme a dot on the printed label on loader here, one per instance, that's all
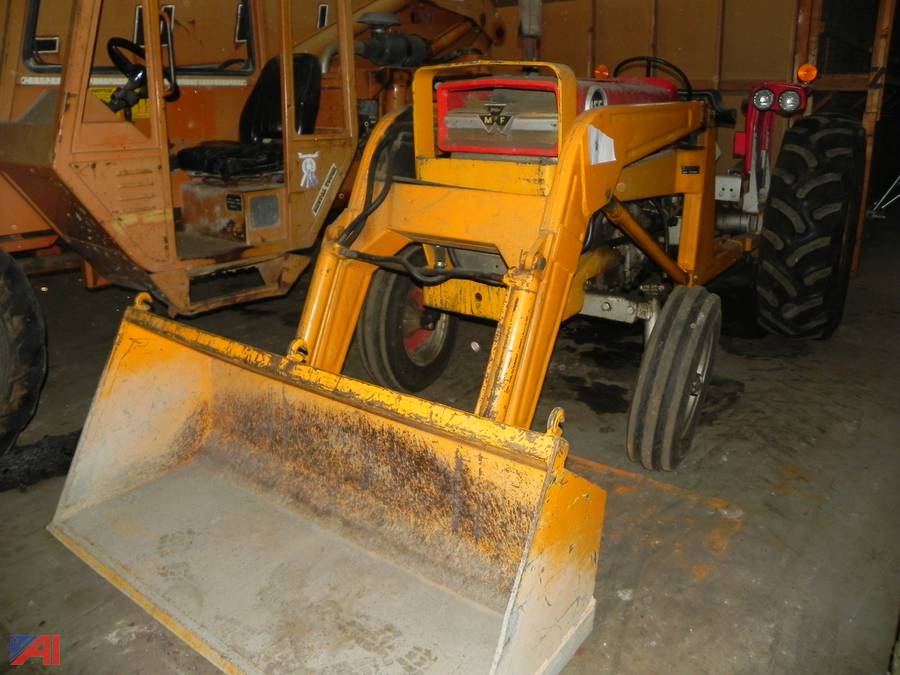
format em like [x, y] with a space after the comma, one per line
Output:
[326, 186]
[602, 147]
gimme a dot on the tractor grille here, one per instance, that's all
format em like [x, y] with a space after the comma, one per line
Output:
[498, 116]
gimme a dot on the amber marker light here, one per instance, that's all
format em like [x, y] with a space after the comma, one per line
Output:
[807, 73]
[601, 72]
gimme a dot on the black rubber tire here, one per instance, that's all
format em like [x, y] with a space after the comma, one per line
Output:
[670, 389]
[380, 334]
[809, 227]
[23, 351]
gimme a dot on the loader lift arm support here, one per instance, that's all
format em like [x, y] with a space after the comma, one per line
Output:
[550, 206]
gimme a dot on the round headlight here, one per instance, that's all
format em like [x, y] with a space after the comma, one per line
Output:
[789, 101]
[764, 99]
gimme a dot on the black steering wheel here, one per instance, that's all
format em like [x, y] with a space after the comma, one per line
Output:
[650, 62]
[135, 89]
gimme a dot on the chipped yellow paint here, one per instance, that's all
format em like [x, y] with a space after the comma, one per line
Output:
[522, 179]
[144, 217]
[491, 506]
[467, 297]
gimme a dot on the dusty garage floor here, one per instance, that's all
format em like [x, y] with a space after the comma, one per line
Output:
[774, 549]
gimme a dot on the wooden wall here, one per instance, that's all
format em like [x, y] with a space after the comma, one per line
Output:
[721, 44]
[567, 34]
[712, 40]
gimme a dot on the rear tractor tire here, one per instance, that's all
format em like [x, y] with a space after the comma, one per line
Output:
[404, 345]
[23, 351]
[673, 378]
[809, 227]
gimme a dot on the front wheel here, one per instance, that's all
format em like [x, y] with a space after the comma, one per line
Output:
[673, 378]
[23, 351]
[404, 345]
[809, 227]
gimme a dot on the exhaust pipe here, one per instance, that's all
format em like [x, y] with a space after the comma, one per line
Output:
[530, 17]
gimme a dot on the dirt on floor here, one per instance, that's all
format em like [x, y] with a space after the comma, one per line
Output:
[28, 464]
[775, 547]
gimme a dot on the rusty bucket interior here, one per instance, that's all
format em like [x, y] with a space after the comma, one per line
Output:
[280, 518]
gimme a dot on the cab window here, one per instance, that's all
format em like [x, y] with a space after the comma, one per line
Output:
[204, 42]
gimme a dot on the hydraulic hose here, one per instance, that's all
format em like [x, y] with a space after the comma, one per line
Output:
[353, 230]
[426, 276]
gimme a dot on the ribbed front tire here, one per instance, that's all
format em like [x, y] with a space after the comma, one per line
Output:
[403, 344]
[673, 378]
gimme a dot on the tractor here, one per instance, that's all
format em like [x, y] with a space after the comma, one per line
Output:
[512, 191]
[538, 196]
[149, 140]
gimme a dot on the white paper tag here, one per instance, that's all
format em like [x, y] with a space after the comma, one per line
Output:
[602, 147]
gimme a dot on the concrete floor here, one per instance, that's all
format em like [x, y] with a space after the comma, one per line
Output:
[775, 548]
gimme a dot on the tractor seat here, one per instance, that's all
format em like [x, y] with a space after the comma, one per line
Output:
[259, 150]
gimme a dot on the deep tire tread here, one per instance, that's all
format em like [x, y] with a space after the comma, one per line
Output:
[23, 351]
[809, 227]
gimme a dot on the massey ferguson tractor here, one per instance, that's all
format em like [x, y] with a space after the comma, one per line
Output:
[276, 514]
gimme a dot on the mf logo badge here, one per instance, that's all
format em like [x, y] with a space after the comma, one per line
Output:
[309, 165]
[495, 120]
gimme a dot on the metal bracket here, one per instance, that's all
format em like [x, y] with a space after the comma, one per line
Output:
[622, 309]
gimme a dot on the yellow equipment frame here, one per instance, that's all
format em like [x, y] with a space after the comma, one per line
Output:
[535, 216]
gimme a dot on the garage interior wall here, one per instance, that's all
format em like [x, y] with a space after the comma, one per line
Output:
[717, 42]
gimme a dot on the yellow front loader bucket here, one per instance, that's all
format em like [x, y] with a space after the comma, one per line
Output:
[283, 519]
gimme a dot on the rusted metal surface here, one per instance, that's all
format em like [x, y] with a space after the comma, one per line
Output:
[90, 239]
[351, 514]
